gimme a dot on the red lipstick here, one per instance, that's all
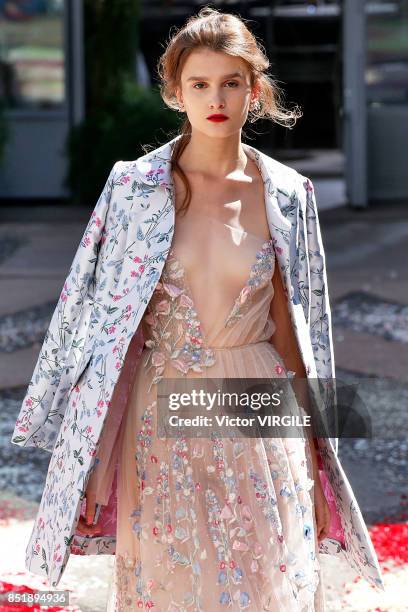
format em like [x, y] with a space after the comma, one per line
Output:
[217, 118]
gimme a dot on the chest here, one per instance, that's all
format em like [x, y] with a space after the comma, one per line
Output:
[224, 225]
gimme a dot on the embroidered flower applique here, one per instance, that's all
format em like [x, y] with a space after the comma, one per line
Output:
[259, 276]
[173, 319]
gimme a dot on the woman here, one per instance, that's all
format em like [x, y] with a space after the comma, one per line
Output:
[189, 273]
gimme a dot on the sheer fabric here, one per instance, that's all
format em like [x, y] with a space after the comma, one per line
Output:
[210, 524]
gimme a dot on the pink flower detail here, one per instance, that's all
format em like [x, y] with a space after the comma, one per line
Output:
[278, 369]
[116, 298]
[99, 412]
[180, 366]
[98, 222]
[226, 513]
[134, 273]
[117, 365]
[163, 307]
[137, 259]
[29, 402]
[87, 240]
[278, 249]
[185, 301]
[141, 268]
[308, 185]
[112, 329]
[244, 295]
[125, 179]
[64, 297]
[172, 290]
[282, 567]
[158, 359]
[246, 514]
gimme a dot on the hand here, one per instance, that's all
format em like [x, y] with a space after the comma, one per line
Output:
[85, 523]
[322, 511]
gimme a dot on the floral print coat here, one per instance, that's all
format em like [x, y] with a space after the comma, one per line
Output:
[94, 340]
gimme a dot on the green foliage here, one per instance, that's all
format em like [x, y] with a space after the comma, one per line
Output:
[106, 136]
[121, 115]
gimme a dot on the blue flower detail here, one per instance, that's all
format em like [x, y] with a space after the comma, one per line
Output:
[244, 599]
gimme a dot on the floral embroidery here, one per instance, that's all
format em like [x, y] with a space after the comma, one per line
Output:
[259, 276]
[171, 304]
[133, 224]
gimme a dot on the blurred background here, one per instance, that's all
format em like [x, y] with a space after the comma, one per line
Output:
[78, 91]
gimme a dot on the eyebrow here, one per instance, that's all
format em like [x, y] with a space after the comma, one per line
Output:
[226, 76]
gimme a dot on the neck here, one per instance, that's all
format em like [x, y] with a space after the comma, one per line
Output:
[214, 157]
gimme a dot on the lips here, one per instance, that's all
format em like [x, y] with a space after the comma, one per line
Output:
[217, 118]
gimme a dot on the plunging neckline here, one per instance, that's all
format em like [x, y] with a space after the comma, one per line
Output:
[246, 288]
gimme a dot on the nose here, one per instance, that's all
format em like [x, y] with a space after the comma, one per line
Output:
[217, 104]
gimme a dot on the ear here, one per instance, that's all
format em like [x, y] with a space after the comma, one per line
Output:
[256, 88]
[179, 95]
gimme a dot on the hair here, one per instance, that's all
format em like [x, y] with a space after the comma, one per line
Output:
[222, 32]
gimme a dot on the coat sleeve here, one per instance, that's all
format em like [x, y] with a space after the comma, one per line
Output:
[321, 335]
[39, 418]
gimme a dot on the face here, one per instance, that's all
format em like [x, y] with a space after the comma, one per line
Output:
[214, 83]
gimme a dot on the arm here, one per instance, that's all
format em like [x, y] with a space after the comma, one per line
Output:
[284, 340]
[320, 313]
[40, 417]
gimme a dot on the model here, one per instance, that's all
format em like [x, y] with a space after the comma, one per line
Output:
[202, 259]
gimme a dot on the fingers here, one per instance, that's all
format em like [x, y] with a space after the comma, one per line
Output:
[90, 508]
[323, 524]
[85, 524]
[85, 529]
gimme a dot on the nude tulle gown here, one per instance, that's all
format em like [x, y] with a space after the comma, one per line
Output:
[205, 524]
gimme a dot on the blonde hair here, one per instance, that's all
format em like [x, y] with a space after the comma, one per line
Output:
[226, 33]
